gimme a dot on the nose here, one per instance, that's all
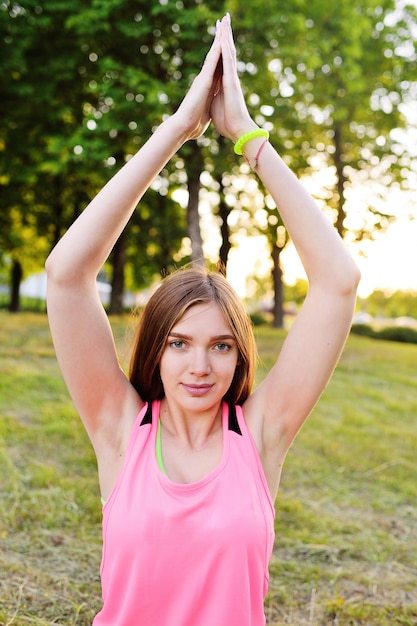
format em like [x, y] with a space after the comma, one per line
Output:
[199, 363]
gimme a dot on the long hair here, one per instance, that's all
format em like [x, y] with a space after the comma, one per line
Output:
[178, 292]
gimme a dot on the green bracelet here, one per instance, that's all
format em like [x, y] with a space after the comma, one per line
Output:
[259, 132]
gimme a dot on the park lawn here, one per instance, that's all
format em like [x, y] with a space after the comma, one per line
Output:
[346, 524]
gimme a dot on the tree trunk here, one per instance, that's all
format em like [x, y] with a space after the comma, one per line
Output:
[278, 288]
[223, 212]
[118, 259]
[340, 182]
[194, 169]
[16, 275]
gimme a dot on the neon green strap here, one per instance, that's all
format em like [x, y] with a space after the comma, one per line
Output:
[159, 448]
[258, 132]
[158, 454]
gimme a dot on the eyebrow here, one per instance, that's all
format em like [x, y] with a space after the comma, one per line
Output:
[215, 338]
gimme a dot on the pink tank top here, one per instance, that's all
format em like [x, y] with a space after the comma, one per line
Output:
[187, 554]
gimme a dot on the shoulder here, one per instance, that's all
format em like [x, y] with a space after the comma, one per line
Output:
[112, 442]
[116, 423]
[252, 413]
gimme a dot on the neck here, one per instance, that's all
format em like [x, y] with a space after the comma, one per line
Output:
[196, 429]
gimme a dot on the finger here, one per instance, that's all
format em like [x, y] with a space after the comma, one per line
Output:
[204, 84]
[229, 32]
[213, 54]
[228, 48]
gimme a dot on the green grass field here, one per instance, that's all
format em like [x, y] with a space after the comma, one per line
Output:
[346, 544]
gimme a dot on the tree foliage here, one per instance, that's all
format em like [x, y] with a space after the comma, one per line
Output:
[83, 85]
[332, 82]
[334, 74]
[381, 304]
[88, 85]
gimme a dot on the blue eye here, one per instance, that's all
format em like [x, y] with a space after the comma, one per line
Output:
[177, 344]
[222, 347]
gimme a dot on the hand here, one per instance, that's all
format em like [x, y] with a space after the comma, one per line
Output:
[194, 111]
[228, 109]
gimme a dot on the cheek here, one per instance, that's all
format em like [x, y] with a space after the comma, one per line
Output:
[164, 363]
[162, 366]
[228, 369]
[169, 365]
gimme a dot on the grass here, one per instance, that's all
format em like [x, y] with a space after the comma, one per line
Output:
[346, 543]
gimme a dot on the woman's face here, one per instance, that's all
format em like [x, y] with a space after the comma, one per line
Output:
[199, 359]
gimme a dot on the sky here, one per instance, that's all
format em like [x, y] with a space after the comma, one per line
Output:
[389, 262]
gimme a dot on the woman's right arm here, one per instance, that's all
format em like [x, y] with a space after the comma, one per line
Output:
[80, 329]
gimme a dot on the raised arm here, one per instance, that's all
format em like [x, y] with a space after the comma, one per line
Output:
[279, 406]
[82, 337]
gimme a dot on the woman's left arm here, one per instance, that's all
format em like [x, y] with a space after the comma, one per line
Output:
[315, 341]
[279, 406]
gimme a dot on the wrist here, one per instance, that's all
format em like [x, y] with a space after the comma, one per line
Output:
[177, 128]
[244, 130]
[248, 137]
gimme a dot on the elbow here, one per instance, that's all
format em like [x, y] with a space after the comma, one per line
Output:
[358, 277]
[349, 283]
[49, 264]
[55, 275]
[53, 281]
[64, 272]
[355, 277]
[341, 279]
[52, 268]
[345, 275]
[60, 271]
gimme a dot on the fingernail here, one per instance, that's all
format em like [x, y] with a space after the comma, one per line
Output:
[229, 21]
[217, 26]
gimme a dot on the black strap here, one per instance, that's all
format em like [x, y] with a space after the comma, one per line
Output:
[233, 423]
[147, 418]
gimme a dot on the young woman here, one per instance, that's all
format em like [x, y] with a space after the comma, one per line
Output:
[189, 459]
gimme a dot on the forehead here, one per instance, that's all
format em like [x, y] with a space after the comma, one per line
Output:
[203, 317]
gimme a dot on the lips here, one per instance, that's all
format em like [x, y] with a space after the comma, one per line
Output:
[197, 390]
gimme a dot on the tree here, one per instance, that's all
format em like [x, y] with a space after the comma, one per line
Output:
[84, 86]
[71, 91]
[30, 81]
[139, 61]
[347, 76]
[391, 304]
[40, 108]
[336, 79]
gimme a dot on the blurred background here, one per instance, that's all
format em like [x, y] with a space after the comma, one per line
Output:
[84, 84]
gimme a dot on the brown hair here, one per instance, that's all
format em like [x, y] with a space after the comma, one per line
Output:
[178, 292]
